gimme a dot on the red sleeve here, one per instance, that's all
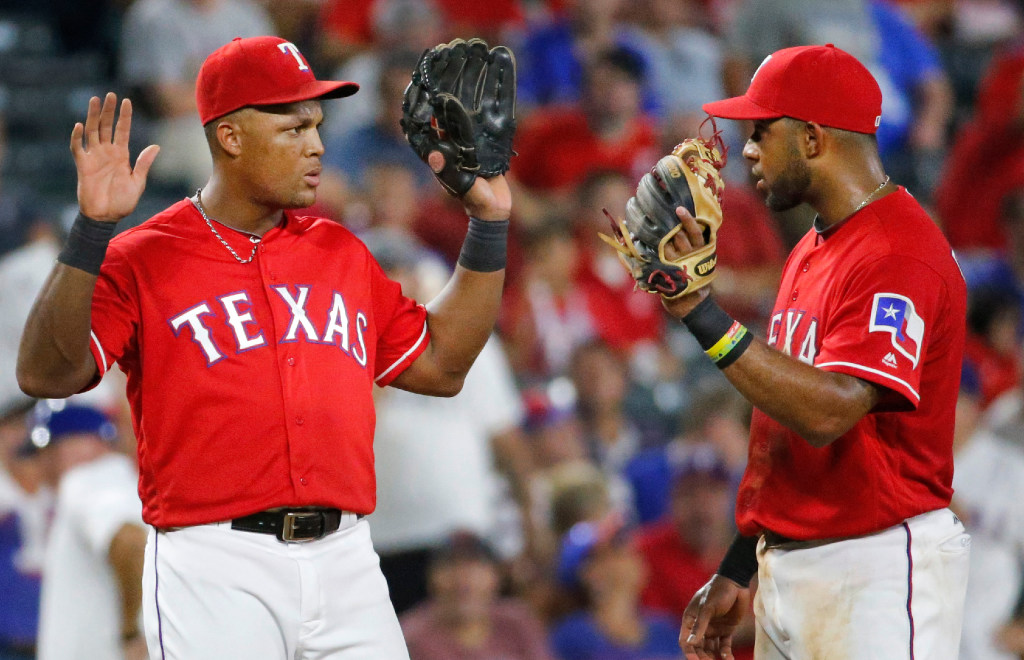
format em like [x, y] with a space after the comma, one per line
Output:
[880, 328]
[115, 310]
[402, 327]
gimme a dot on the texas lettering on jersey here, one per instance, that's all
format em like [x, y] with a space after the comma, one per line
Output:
[333, 325]
[795, 328]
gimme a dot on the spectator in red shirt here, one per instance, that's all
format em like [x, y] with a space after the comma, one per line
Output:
[683, 550]
[991, 145]
[992, 348]
[751, 254]
[559, 147]
[599, 270]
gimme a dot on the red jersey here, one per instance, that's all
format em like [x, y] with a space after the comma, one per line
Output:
[674, 574]
[878, 297]
[558, 149]
[675, 571]
[250, 384]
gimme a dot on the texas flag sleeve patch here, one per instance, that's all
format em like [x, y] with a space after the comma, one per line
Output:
[893, 313]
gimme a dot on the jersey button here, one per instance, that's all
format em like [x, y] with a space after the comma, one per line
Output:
[291, 362]
[807, 266]
[302, 481]
[794, 294]
[300, 421]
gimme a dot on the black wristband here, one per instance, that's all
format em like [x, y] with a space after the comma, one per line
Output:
[740, 561]
[739, 346]
[707, 322]
[723, 339]
[87, 244]
[485, 247]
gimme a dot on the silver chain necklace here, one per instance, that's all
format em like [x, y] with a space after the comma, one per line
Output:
[198, 202]
[872, 195]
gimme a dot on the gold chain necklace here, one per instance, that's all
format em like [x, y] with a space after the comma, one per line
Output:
[871, 197]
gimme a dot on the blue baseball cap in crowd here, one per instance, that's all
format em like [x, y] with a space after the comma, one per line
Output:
[52, 420]
[702, 461]
[581, 540]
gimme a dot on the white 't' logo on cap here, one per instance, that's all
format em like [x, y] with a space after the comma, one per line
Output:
[289, 47]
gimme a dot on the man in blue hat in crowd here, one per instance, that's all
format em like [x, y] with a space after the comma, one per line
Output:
[92, 575]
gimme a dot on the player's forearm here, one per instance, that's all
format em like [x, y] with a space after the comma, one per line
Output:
[461, 318]
[818, 405]
[54, 360]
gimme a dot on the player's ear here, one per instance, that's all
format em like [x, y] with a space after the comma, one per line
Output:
[229, 137]
[812, 137]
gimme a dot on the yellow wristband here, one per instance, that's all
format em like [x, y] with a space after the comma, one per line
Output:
[728, 342]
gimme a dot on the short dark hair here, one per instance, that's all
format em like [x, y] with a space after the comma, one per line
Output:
[624, 60]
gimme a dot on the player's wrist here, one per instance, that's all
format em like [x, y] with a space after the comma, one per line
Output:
[87, 242]
[480, 203]
[485, 247]
[723, 338]
[740, 562]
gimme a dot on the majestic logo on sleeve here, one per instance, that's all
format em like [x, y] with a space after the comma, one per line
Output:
[895, 314]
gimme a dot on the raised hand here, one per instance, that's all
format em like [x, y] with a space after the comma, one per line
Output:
[711, 618]
[487, 199]
[108, 187]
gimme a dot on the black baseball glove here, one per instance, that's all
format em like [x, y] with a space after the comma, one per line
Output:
[462, 102]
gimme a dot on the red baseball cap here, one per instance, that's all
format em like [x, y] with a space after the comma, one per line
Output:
[823, 84]
[259, 71]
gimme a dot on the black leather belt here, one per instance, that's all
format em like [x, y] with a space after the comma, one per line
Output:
[292, 525]
[773, 539]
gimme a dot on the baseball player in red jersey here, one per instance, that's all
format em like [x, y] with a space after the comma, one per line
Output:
[251, 336]
[842, 510]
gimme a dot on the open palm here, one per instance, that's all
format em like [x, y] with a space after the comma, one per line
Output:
[108, 187]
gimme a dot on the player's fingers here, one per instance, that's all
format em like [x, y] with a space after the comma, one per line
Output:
[436, 161]
[694, 230]
[700, 626]
[92, 123]
[145, 161]
[725, 649]
[689, 621]
[678, 246]
[76, 141]
[106, 127]
[123, 128]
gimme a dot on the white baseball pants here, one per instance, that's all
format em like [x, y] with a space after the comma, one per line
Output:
[894, 595]
[214, 593]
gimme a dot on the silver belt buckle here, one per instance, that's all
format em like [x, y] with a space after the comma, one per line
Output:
[288, 530]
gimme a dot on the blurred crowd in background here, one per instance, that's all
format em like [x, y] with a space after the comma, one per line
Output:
[569, 502]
